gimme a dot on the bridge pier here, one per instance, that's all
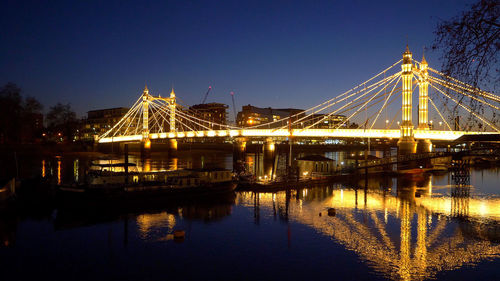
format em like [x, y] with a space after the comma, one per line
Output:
[407, 146]
[269, 150]
[424, 146]
[239, 154]
[172, 146]
[145, 148]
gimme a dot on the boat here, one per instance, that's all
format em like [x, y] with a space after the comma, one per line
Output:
[7, 190]
[115, 181]
[439, 168]
[415, 171]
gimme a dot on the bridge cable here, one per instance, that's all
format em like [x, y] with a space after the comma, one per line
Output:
[466, 108]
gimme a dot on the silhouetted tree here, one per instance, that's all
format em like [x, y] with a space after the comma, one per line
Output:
[471, 43]
[20, 119]
[32, 119]
[61, 119]
[10, 112]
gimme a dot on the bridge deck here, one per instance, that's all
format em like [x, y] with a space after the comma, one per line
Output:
[327, 133]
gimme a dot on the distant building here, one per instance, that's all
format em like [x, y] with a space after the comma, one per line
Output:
[251, 116]
[214, 113]
[99, 121]
[325, 121]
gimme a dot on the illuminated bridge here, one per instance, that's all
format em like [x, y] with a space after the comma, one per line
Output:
[155, 117]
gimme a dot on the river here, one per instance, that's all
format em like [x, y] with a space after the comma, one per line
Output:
[417, 228]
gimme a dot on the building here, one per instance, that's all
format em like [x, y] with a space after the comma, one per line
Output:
[251, 116]
[99, 121]
[325, 121]
[214, 113]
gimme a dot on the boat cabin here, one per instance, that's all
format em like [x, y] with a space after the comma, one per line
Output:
[315, 166]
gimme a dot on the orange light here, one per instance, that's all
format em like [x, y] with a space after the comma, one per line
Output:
[250, 121]
[147, 144]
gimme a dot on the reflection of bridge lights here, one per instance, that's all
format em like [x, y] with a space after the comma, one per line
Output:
[59, 172]
[483, 209]
[418, 251]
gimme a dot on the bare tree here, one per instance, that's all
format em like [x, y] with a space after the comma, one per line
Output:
[62, 121]
[470, 44]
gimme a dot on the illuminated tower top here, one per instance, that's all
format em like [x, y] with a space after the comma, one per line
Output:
[172, 94]
[407, 64]
[146, 91]
[423, 63]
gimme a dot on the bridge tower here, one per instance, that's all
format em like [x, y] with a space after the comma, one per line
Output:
[172, 106]
[406, 143]
[172, 111]
[146, 142]
[423, 105]
[145, 115]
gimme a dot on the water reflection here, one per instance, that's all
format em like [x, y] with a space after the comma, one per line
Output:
[410, 234]
[71, 169]
[59, 178]
[153, 225]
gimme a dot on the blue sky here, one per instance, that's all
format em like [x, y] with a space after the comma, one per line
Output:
[99, 54]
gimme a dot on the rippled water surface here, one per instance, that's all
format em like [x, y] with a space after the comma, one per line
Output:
[417, 228]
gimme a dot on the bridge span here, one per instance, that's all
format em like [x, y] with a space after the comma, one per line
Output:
[306, 133]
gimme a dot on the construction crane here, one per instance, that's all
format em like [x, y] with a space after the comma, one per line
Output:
[234, 106]
[206, 95]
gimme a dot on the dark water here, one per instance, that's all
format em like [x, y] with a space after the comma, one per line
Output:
[398, 229]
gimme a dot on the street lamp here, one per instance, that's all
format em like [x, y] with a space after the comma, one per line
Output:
[441, 124]
[386, 124]
[398, 123]
[431, 124]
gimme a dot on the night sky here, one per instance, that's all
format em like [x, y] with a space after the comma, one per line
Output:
[270, 53]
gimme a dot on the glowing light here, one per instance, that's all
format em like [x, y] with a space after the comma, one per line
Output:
[147, 144]
[234, 133]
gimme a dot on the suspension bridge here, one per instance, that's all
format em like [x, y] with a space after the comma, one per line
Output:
[156, 117]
